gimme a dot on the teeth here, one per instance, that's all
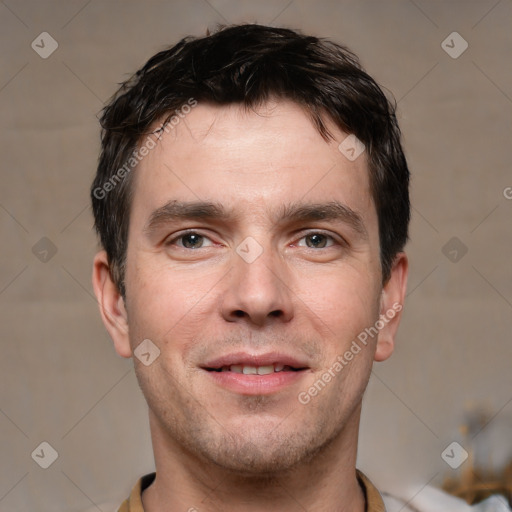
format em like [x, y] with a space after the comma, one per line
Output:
[265, 370]
[255, 370]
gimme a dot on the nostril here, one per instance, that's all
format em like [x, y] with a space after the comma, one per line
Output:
[240, 313]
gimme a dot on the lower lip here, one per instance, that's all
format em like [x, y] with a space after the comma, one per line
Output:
[256, 384]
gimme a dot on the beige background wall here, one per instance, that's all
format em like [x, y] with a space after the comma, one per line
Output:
[62, 381]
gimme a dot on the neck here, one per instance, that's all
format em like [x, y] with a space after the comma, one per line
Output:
[325, 482]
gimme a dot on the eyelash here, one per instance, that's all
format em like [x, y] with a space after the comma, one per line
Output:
[192, 232]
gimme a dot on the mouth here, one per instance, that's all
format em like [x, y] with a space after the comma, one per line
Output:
[250, 374]
[247, 369]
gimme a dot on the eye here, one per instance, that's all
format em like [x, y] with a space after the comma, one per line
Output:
[317, 241]
[190, 240]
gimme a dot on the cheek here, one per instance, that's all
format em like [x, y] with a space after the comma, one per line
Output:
[164, 302]
[340, 305]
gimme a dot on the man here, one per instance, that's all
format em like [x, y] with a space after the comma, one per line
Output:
[252, 204]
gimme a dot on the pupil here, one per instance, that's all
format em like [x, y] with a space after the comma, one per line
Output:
[317, 240]
[190, 241]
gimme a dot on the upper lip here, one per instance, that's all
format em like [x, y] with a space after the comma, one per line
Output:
[247, 359]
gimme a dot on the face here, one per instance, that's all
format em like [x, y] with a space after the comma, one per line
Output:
[252, 265]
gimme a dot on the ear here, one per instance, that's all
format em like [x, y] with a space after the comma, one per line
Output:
[391, 305]
[112, 307]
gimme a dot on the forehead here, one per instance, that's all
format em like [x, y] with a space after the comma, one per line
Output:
[249, 158]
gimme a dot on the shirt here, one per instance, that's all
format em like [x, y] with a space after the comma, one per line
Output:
[373, 499]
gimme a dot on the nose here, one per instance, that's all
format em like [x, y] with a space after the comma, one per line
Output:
[257, 292]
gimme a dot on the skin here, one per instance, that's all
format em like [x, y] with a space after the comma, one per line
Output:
[309, 296]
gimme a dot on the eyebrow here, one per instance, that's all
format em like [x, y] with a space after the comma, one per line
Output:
[330, 211]
[176, 210]
[183, 210]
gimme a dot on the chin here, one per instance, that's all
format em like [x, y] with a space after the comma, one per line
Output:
[252, 461]
[263, 451]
